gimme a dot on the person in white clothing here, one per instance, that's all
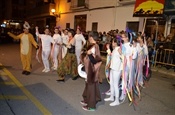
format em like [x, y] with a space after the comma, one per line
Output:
[46, 40]
[79, 43]
[65, 39]
[115, 72]
[56, 49]
[142, 52]
[127, 54]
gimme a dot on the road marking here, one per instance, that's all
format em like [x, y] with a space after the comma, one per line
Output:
[44, 110]
[7, 83]
[13, 97]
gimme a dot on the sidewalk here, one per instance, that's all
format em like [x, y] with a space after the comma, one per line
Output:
[164, 70]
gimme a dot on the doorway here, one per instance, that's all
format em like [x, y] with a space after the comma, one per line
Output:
[80, 20]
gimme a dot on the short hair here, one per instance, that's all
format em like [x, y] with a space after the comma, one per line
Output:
[94, 35]
[72, 31]
[124, 33]
[115, 40]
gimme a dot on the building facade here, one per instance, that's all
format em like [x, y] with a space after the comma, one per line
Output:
[105, 15]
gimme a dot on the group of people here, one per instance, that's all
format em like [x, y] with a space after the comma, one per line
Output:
[126, 61]
[68, 49]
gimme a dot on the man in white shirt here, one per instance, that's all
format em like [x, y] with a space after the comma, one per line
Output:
[79, 43]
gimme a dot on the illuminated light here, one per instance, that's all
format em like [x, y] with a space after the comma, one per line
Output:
[53, 11]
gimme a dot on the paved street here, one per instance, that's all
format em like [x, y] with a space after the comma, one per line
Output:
[39, 93]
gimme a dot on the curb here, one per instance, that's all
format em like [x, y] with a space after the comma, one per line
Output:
[164, 72]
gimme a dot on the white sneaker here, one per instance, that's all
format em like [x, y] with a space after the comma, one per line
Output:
[109, 99]
[122, 97]
[108, 93]
[114, 103]
[47, 70]
[44, 70]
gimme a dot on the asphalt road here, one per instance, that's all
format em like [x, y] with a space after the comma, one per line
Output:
[39, 93]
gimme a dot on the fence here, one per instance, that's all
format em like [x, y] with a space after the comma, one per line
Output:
[164, 57]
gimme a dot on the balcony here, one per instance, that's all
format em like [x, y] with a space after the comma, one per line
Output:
[77, 5]
[41, 11]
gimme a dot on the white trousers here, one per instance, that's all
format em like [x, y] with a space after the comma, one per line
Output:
[64, 52]
[78, 52]
[45, 58]
[55, 57]
[125, 79]
[114, 83]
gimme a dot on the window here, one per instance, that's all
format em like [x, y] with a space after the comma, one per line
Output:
[134, 26]
[67, 25]
[68, 0]
[81, 3]
[94, 26]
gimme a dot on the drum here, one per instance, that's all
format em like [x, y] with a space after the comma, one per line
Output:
[81, 72]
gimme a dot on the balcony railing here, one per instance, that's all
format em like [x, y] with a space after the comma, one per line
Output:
[44, 10]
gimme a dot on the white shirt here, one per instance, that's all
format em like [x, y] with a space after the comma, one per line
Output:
[79, 38]
[142, 50]
[46, 41]
[116, 60]
[127, 52]
[65, 38]
[57, 39]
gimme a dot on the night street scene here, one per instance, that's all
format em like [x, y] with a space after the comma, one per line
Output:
[87, 57]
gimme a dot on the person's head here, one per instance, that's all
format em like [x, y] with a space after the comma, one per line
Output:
[57, 30]
[47, 31]
[124, 36]
[78, 31]
[93, 36]
[71, 33]
[140, 39]
[115, 42]
[134, 42]
[26, 31]
[26, 27]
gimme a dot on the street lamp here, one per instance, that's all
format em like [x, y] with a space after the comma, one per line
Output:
[56, 14]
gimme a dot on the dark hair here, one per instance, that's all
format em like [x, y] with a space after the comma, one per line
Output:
[72, 31]
[94, 35]
[115, 40]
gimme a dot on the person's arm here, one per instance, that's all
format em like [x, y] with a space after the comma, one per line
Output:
[37, 32]
[33, 41]
[91, 57]
[83, 39]
[14, 36]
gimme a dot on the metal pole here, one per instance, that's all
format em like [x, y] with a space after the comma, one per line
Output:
[154, 59]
